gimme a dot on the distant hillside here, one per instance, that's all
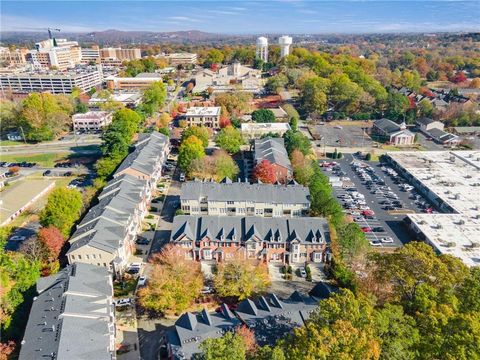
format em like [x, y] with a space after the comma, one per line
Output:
[116, 37]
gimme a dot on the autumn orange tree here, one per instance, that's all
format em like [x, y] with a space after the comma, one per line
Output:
[241, 278]
[265, 172]
[174, 282]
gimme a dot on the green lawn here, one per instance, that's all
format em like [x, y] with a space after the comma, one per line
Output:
[46, 160]
[10, 143]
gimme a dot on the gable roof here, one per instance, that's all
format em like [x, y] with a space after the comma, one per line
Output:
[240, 191]
[71, 317]
[273, 150]
[148, 149]
[244, 228]
[387, 126]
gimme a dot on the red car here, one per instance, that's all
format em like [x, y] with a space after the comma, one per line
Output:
[366, 229]
[368, 213]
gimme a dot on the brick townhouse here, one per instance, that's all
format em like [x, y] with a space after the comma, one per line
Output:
[279, 240]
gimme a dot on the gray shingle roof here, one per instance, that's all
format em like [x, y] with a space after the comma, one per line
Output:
[71, 315]
[240, 191]
[273, 150]
[148, 149]
[387, 126]
[269, 317]
[243, 228]
[105, 225]
[425, 121]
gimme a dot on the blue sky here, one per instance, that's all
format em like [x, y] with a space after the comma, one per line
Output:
[244, 17]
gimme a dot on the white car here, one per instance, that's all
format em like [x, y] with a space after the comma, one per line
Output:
[375, 243]
[123, 302]
[17, 238]
[387, 239]
[182, 177]
[142, 280]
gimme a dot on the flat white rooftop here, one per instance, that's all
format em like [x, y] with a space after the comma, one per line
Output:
[453, 177]
[246, 127]
[203, 111]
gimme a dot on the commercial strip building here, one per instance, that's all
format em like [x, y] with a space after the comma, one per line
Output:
[393, 133]
[434, 129]
[91, 121]
[279, 240]
[451, 181]
[244, 199]
[256, 130]
[72, 316]
[181, 58]
[21, 196]
[53, 82]
[137, 83]
[129, 100]
[203, 116]
[273, 150]
[106, 235]
[269, 317]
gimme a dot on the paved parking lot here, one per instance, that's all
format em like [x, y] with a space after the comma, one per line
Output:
[374, 195]
[342, 136]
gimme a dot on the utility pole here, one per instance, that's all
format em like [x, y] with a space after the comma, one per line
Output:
[23, 135]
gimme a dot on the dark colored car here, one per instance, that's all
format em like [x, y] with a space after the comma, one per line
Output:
[378, 229]
[142, 241]
[68, 173]
[46, 173]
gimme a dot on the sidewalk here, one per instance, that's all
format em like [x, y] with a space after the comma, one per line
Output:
[127, 335]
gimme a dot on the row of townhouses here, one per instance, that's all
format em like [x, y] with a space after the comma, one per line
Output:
[106, 235]
[72, 316]
[244, 199]
[294, 240]
[268, 316]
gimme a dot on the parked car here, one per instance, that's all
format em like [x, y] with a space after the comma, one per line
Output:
[46, 173]
[386, 239]
[182, 177]
[17, 238]
[366, 229]
[376, 243]
[142, 241]
[207, 290]
[123, 302]
[142, 280]
[302, 271]
[378, 229]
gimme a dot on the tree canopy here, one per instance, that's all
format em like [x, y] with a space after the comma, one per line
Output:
[230, 139]
[190, 149]
[263, 116]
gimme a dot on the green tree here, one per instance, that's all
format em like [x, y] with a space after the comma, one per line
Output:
[397, 105]
[164, 130]
[276, 83]
[425, 108]
[236, 103]
[293, 123]
[241, 278]
[154, 97]
[225, 166]
[296, 140]
[263, 116]
[201, 132]
[214, 56]
[63, 209]
[190, 149]
[230, 139]
[228, 347]
[313, 95]
[343, 92]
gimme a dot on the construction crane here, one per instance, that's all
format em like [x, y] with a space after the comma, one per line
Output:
[50, 36]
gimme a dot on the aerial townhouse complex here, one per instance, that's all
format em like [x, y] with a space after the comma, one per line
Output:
[244, 199]
[72, 316]
[281, 240]
[268, 316]
[106, 235]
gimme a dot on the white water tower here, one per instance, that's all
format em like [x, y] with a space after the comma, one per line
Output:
[262, 48]
[284, 42]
